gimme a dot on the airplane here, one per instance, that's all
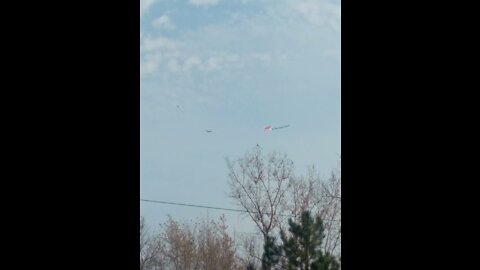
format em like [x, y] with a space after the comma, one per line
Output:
[208, 131]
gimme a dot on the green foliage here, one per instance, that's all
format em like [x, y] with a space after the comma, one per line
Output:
[301, 248]
[250, 266]
[271, 253]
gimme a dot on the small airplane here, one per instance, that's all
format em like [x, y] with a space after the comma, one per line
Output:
[208, 130]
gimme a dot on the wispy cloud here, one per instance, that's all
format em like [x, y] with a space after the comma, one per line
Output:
[159, 44]
[146, 5]
[150, 65]
[320, 13]
[165, 55]
[184, 63]
[154, 51]
[203, 2]
[163, 22]
[265, 57]
[280, 37]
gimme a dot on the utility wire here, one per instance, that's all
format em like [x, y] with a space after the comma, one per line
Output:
[207, 207]
[193, 205]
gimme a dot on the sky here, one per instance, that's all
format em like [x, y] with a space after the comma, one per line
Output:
[233, 67]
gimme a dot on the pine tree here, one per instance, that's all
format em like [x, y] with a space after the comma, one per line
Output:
[271, 253]
[303, 248]
[250, 266]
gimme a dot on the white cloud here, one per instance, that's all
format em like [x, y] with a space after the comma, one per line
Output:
[163, 22]
[154, 52]
[281, 31]
[150, 63]
[212, 63]
[191, 62]
[203, 2]
[186, 63]
[174, 65]
[150, 66]
[273, 38]
[160, 54]
[264, 57]
[145, 6]
[159, 43]
[319, 13]
[219, 60]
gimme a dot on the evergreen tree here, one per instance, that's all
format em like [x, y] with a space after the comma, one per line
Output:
[271, 253]
[303, 248]
[250, 266]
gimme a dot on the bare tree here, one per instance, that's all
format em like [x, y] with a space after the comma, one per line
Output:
[310, 193]
[216, 246]
[250, 249]
[304, 193]
[201, 246]
[330, 212]
[323, 198]
[150, 247]
[267, 189]
[179, 246]
[259, 185]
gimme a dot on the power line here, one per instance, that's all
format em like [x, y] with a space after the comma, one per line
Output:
[193, 205]
[210, 207]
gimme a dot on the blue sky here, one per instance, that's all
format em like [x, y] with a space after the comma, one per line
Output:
[233, 66]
